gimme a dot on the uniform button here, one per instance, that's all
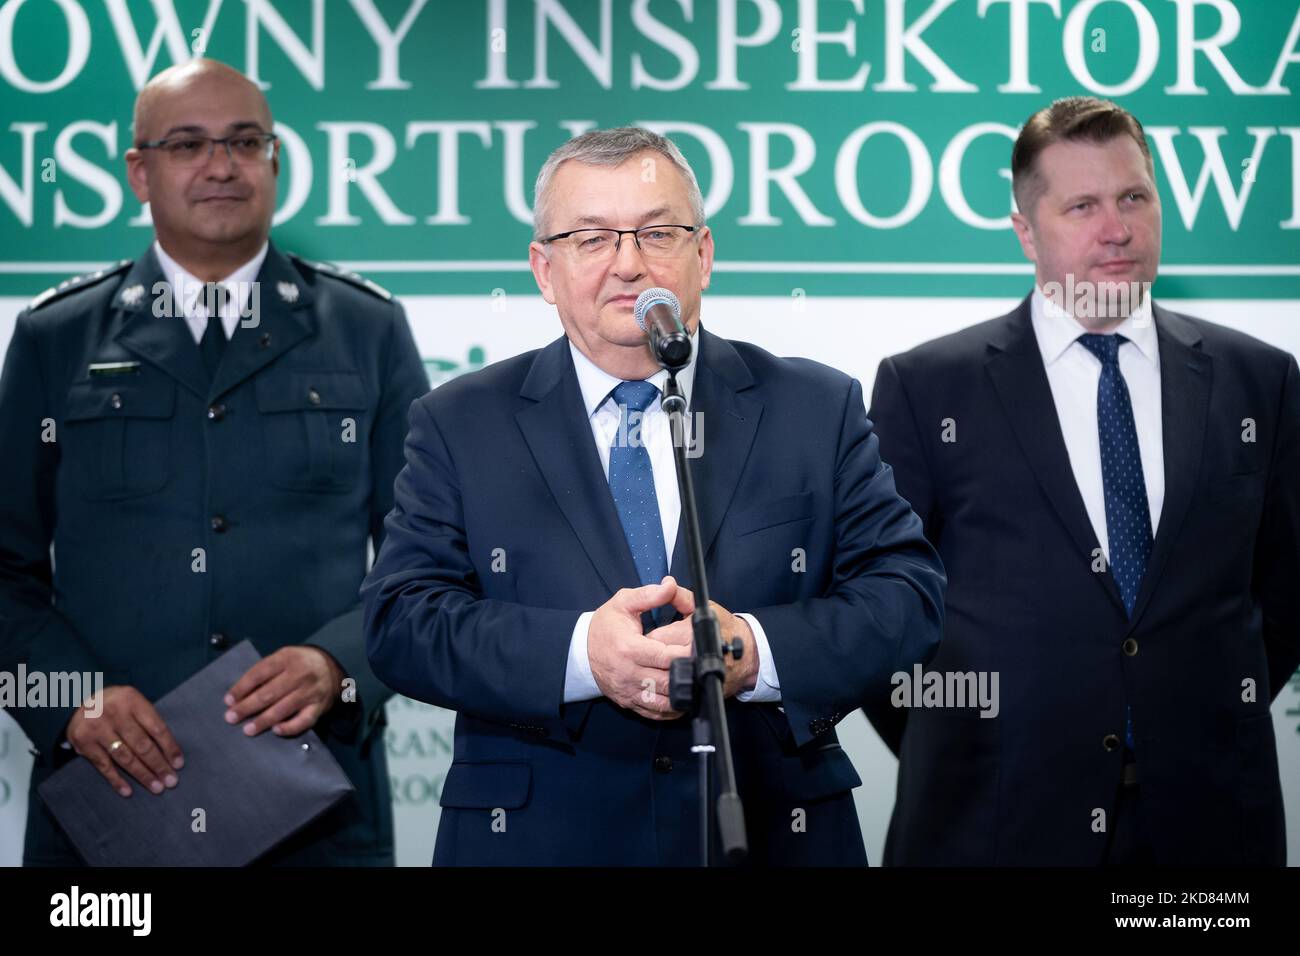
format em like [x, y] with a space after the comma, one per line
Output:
[1130, 647]
[115, 400]
[216, 412]
[664, 763]
[313, 396]
[1110, 742]
[218, 524]
[218, 641]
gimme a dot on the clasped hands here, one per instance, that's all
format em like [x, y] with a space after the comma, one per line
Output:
[631, 668]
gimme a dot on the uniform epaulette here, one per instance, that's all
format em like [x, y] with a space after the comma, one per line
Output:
[360, 281]
[76, 284]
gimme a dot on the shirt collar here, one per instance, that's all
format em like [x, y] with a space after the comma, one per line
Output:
[186, 287]
[596, 383]
[1056, 330]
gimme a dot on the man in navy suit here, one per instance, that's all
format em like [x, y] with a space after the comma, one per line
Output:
[537, 520]
[1115, 491]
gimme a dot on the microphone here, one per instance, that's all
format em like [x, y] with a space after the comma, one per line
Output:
[659, 314]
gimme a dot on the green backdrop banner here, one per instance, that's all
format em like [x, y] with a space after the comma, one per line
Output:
[856, 147]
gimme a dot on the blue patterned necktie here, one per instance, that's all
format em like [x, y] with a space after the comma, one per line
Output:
[1128, 514]
[632, 483]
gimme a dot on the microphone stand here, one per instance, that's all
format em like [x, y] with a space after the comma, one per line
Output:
[695, 683]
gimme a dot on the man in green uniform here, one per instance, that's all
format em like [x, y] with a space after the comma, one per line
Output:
[207, 437]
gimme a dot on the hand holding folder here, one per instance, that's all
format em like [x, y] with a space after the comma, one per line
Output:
[238, 796]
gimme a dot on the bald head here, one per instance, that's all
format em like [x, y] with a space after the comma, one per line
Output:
[196, 81]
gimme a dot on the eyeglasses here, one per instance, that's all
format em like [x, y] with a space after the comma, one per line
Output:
[597, 245]
[188, 151]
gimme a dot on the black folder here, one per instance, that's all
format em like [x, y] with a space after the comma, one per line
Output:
[255, 791]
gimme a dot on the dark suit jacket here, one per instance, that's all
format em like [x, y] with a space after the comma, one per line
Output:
[143, 467]
[502, 463]
[1218, 605]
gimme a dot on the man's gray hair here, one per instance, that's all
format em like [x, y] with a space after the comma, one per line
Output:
[611, 147]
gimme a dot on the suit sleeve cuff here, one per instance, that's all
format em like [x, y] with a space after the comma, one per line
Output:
[767, 689]
[579, 684]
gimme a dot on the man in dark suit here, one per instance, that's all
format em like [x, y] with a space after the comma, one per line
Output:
[1115, 491]
[534, 528]
[208, 438]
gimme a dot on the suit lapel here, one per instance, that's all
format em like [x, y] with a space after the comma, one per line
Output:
[558, 433]
[726, 422]
[281, 309]
[1016, 368]
[1186, 375]
[163, 338]
[556, 430]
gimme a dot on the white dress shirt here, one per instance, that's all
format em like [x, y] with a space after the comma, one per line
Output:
[1074, 373]
[656, 435]
[187, 290]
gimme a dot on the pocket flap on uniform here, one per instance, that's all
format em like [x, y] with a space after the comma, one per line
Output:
[92, 400]
[304, 391]
[821, 772]
[487, 786]
[775, 511]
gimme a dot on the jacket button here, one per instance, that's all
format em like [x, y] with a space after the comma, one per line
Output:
[1110, 742]
[1130, 647]
[313, 396]
[218, 641]
[218, 524]
[216, 412]
[115, 400]
[664, 763]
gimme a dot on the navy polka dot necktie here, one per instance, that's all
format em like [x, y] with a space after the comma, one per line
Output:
[632, 483]
[1128, 514]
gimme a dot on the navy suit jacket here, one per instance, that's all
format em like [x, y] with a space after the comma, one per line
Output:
[1219, 606]
[501, 465]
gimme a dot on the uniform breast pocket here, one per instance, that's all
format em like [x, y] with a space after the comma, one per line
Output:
[116, 439]
[314, 429]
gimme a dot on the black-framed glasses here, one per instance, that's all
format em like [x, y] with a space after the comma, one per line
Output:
[659, 242]
[187, 150]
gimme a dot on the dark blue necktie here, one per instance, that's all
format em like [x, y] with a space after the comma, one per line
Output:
[213, 342]
[1128, 514]
[632, 483]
